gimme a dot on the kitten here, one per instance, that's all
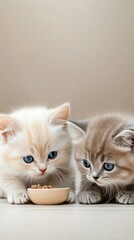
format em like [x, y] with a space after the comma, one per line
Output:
[36, 147]
[105, 158]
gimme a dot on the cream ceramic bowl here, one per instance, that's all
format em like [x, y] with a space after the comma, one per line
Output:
[48, 196]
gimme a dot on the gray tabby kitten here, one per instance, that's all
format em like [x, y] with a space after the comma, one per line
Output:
[105, 158]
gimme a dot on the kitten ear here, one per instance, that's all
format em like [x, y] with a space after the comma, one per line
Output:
[8, 128]
[82, 124]
[125, 140]
[76, 132]
[60, 114]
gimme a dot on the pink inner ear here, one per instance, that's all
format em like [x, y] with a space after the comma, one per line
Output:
[9, 127]
[3, 123]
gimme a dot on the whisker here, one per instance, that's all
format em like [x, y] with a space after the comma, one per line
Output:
[64, 176]
[112, 189]
[57, 175]
[84, 185]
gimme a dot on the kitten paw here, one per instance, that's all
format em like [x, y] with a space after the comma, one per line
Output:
[71, 197]
[125, 198]
[89, 197]
[18, 198]
[2, 194]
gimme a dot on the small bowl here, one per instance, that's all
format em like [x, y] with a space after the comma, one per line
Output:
[48, 196]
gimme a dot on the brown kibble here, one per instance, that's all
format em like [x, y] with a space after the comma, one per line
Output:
[44, 187]
[41, 187]
[34, 186]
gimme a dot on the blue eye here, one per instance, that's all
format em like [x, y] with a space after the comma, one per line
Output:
[52, 155]
[28, 159]
[86, 163]
[108, 166]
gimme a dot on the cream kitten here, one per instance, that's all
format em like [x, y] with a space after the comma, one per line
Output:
[36, 147]
[105, 158]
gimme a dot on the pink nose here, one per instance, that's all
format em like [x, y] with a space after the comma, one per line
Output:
[42, 169]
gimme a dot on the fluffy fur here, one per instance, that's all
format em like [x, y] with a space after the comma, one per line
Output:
[36, 132]
[109, 139]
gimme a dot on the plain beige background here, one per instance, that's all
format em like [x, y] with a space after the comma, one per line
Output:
[81, 51]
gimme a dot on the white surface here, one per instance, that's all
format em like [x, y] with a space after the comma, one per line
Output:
[65, 222]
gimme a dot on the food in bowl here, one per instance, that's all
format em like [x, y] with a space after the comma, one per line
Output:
[41, 187]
